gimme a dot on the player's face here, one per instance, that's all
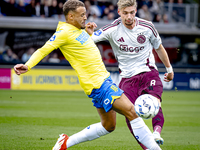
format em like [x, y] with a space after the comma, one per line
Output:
[128, 16]
[80, 18]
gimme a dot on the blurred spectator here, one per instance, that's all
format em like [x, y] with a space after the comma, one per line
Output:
[93, 17]
[113, 11]
[92, 10]
[171, 1]
[3, 36]
[178, 12]
[111, 16]
[157, 18]
[45, 9]
[110, 13]
[27, 55]
[60, 8]
[157, 9]
[144, 2]
[144, 13]
[54, 58]
[54, 9]
[10, 8]
[95, 9]
[181, 11]
[38, 10]
[102, 5]
[165, 18]
[30, 8]
[8, 55]
[21, 7]
[152, 10]
[45, 59]
[87, 6]
[26, 2]
[105, 13]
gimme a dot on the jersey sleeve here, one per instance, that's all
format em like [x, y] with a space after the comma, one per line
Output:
[99, 35]
[57, 40]
[155, 38]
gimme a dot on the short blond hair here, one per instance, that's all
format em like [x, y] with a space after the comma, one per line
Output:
[126, 3]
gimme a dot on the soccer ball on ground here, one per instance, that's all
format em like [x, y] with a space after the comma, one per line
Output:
[146, 106]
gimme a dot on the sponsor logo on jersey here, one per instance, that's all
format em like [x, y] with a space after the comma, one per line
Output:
[98, 32]
[141, 39]
[121, 40]
[83, 37]
[126, 48]
[53, 38]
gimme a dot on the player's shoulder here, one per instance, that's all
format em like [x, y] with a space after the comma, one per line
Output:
[66, 27]
[112, 26]
[142, 23]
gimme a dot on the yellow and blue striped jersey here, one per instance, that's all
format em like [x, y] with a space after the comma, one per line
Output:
[81, 52]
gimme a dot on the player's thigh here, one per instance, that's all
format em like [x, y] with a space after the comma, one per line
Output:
[125, 107]
[130, 89]
[108, 119]
[153, 84]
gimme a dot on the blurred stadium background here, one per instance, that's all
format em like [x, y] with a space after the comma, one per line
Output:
[26, 25]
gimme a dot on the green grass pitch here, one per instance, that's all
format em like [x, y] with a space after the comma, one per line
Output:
[32, 120]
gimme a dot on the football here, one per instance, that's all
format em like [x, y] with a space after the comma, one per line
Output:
[146, 106]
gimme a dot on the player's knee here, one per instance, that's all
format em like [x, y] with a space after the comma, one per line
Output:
[109, 126]
[132, 114]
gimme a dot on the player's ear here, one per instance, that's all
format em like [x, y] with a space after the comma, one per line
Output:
[135, 10]
[70, 16]
[119, 12]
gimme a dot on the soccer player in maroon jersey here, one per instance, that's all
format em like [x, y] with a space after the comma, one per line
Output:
[133, 40]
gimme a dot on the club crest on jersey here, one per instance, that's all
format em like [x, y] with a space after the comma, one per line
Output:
[98, 32]
[141, 39]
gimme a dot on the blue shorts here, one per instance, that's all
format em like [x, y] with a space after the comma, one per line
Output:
[105, 96]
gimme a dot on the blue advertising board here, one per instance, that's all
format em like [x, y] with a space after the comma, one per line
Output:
[181, 81]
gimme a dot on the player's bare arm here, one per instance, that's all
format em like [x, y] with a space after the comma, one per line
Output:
[90, 26]
[20, 69]
[162, 54]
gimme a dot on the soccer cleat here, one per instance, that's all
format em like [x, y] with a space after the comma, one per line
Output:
[61, 143]
[157, 138]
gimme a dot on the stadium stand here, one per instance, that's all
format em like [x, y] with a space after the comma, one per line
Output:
[29, 23]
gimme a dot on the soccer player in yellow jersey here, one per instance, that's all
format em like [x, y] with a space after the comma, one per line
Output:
[80, 50]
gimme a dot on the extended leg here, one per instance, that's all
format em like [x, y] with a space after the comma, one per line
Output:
[142, 133]
[157, 123]
[107, 125]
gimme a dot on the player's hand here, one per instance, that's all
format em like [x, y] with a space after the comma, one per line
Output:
[90, 26]
[20, 68]
[168, 76]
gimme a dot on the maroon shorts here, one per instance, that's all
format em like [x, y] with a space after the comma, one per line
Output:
[143, 83]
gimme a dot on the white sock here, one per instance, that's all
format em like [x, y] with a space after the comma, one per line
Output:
[143, 134]
[90, 133]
